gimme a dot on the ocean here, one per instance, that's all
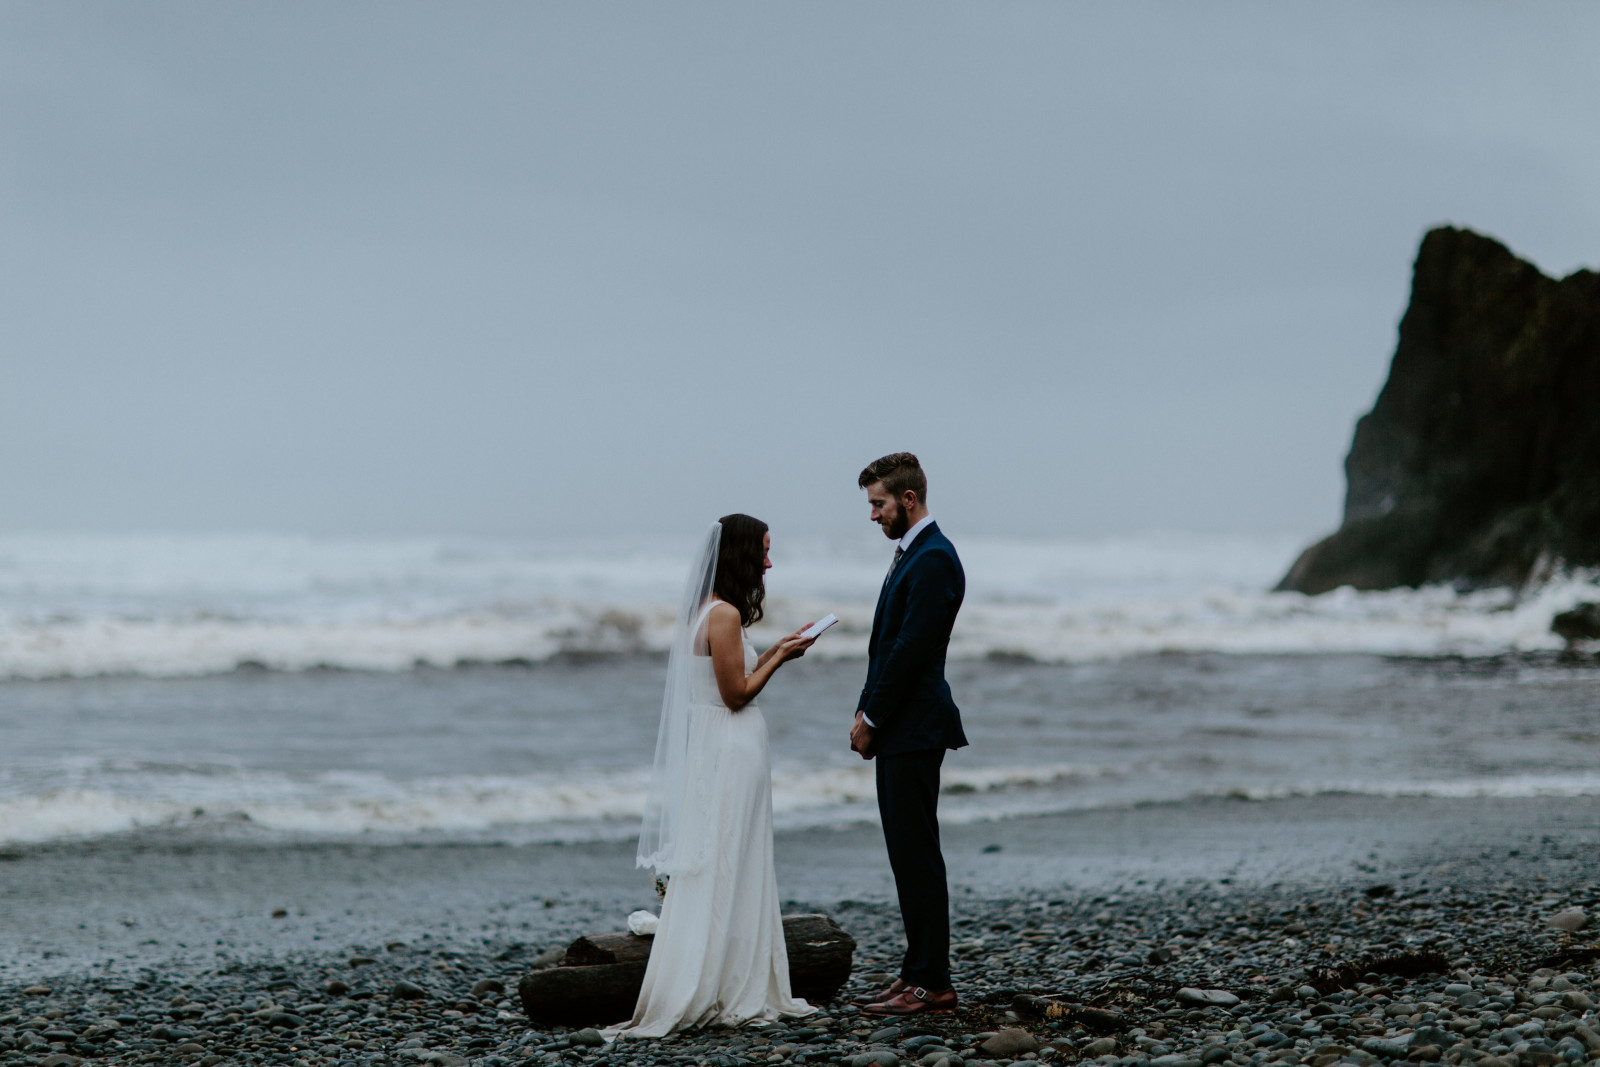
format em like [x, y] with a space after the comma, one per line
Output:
[276, 687]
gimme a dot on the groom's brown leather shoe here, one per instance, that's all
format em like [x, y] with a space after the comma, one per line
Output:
[896, 987]
[916, 1001]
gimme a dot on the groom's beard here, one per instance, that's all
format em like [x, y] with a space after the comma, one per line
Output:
[896, 527]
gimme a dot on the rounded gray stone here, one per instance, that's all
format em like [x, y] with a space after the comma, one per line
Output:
[1011, 1042]
[876, 1058]
[588, 1038]
[1570, 919]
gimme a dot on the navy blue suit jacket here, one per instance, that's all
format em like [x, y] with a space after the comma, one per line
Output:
[906, 695]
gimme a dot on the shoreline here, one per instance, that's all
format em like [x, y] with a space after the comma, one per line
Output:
[115, 905]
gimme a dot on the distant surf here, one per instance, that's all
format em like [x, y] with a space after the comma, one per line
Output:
[189, 606]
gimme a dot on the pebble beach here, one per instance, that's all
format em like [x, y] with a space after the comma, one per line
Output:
[1472, 942]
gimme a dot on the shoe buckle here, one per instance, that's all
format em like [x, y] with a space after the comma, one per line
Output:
[920, 993]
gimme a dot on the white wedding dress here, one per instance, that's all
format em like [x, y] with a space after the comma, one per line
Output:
[719, 957]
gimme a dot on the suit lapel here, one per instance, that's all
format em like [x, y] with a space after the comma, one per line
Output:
[894, 580]
[916, 546]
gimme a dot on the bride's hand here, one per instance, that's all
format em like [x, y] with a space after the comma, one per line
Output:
[794, 646]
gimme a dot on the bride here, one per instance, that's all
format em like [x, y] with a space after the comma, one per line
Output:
[719, 957]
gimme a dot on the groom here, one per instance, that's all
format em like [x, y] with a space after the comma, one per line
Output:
[906, 719]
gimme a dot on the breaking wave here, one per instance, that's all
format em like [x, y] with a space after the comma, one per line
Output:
[608, 807]
[171, 607]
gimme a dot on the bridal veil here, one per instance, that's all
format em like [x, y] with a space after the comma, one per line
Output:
[661, 834]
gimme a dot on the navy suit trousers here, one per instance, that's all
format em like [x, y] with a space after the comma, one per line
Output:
[908, 802]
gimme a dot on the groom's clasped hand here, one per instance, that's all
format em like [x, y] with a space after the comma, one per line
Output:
[861, 737]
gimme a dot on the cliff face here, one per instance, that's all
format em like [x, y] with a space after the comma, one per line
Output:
[1480, 462]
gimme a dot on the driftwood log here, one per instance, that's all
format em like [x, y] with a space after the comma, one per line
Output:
[598, 978]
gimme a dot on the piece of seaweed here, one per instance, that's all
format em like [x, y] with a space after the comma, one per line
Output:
[1327, 980]
[1568, 956]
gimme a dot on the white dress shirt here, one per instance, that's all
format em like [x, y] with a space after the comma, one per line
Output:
[904, 545]
[911, 535]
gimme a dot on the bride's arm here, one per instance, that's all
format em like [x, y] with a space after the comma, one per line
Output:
[727, 657]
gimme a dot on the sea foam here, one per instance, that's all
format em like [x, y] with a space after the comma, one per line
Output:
[77, 607]
[600, 807]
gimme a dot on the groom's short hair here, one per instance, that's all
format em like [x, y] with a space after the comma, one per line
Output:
[899, 472]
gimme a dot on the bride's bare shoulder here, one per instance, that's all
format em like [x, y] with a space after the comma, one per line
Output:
[721, 609]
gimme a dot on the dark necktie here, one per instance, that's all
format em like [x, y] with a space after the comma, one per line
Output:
[898, 552]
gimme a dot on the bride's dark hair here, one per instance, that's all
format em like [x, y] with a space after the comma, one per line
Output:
[740, 577]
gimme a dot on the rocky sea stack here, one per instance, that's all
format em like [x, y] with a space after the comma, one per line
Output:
[1480, 462]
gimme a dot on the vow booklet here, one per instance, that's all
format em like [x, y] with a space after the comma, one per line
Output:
[816, 628]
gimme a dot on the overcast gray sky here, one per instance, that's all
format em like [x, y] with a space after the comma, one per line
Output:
[552, 268]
